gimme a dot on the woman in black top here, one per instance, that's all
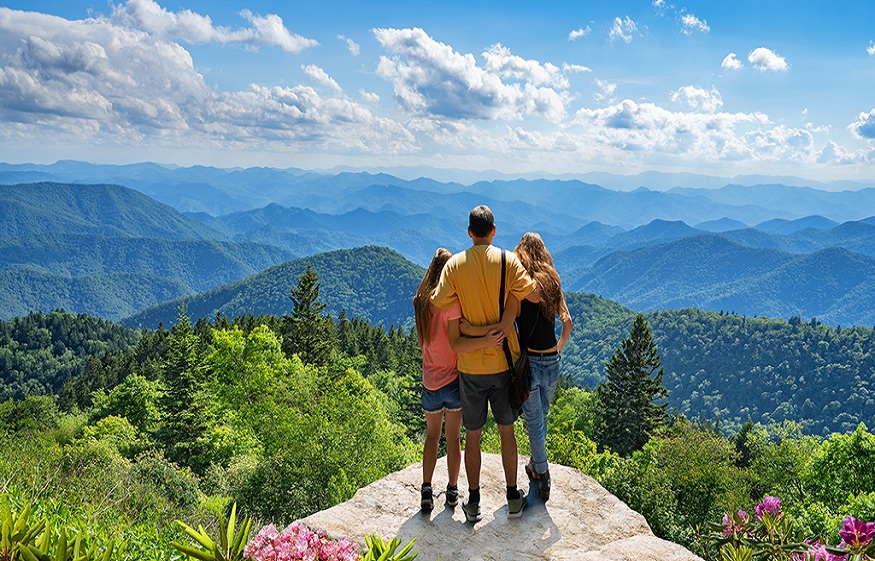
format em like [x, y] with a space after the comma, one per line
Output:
[536, 325]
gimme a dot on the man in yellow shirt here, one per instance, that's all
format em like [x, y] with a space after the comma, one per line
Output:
[473, 277]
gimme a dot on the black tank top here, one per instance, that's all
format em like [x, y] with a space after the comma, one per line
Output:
[543, 330]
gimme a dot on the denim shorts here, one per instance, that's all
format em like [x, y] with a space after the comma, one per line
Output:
[443, 399]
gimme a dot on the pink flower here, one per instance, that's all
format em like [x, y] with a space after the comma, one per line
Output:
[856, 533]
[299, 543]
[730, 526]
[770, 504]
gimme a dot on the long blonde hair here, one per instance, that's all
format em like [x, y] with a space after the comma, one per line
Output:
[421, 302]
[538, 262]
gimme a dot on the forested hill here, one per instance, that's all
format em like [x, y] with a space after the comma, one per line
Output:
[373, 283]
[729, 368]
[110, 251]
[106, 210]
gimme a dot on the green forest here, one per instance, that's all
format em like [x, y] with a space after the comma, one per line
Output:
[115, 433]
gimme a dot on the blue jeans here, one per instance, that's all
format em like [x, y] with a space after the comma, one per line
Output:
[545, 377]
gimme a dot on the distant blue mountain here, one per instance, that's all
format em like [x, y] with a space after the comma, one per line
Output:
[720, 225]
[782, 226]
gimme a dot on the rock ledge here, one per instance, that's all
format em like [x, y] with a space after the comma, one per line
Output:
[580, 522]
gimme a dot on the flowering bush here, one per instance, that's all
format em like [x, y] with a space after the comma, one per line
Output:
[771, 535]
[299, 543]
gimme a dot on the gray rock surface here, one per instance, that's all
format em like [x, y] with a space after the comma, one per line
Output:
[581, 521]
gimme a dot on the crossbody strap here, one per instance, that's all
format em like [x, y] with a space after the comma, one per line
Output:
[504, 343]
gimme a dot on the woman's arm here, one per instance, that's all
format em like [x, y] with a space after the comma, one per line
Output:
[511, 311]
[565, 316]
[463, 344]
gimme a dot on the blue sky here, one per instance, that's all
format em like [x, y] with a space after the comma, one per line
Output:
[722, 88]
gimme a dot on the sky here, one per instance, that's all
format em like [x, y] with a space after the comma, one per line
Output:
[769, 87]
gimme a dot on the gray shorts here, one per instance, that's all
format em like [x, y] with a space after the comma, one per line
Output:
[477, 390]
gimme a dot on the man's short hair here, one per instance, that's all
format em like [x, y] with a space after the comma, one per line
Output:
[481, 221]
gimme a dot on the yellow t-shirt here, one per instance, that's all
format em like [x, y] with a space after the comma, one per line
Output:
[473, 277]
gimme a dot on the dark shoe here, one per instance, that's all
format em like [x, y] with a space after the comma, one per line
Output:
[544, 485]
[530, 471]
[472, 512]
[427, 502]
[452, 496]
[515, 506]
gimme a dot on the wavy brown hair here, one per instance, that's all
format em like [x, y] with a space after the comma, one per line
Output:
[538, 262]
[421, 302]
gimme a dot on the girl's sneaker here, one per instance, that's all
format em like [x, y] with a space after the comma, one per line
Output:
[452, 495]
[427, 502]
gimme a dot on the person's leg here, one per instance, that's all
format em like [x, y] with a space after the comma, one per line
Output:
[549, 380]
[473, 393]
[452, 428]
[508, 454]
[433, 423]
[472, 458]
[536, 419]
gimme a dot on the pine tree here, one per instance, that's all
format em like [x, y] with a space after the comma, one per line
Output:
[184, 410]
[307, 332]
[634, 380]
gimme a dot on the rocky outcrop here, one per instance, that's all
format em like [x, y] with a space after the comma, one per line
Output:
[580, 522]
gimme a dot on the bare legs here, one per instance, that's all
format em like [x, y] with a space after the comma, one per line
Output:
[508, 456]
[434, 422]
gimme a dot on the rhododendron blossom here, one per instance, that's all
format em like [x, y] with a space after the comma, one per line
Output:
[770, 504]
[299, 543]
[730, 527]
[856, 533]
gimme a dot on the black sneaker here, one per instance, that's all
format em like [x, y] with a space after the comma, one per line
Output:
[544, 485]
[515, 506]
[472, 512]
[452, 495]
[427, 502]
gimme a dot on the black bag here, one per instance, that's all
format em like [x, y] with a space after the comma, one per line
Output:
[521, 372]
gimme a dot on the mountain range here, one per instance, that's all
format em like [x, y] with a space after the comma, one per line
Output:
[112, 250]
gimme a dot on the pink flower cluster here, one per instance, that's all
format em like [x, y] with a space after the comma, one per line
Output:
[731, 524]
[299, 543]
[770, 504]
[856, 533]
[817, 552]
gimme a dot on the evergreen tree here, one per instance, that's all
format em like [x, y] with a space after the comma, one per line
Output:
[184, 409]
[634, 380]
[307, 332]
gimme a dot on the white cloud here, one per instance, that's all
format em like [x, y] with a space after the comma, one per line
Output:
[647, 128]
[575, 68]
[764, 59]
[319, 76]
[431, 79]
[576, 34]
[699, 98]
[187, 26]
[658, 4]
[871, 48]
[605, 89]
[864, 126]
[97, 81]
[500, 61]
[369, 97]
[835, 154]
[690, 24]
[623, 29]
[731, 62]
[354, 48]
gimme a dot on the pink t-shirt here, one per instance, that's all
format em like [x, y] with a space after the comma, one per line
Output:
[438, 359]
